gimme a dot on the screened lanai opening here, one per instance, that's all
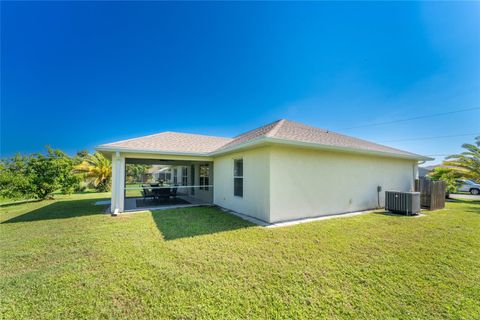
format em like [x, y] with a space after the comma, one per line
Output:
[157, 183]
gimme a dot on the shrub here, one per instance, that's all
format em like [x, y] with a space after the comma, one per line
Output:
[14, 182]
[37, 176]
[51, 172]
[81, 187]
[448, 175]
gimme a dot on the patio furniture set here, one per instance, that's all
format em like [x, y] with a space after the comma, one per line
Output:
[157, 192]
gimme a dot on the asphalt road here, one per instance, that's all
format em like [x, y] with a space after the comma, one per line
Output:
[465, 196]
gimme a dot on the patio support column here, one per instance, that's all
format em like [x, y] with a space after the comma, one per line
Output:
[118, 182]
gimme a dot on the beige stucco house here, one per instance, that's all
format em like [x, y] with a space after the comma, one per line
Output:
[279, 172]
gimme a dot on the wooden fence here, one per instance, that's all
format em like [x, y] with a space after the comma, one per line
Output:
[432, 193]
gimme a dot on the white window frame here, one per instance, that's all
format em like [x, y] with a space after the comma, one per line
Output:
[204, 185]
[175, 176]
[184, 176]
[238, 177]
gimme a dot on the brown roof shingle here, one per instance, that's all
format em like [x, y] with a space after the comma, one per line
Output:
[299, 132]
[171, 142]
[280, 130]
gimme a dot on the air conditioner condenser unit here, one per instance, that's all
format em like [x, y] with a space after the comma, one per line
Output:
[407, 203]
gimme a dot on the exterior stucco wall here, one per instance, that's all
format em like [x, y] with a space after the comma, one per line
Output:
[255, 200]
[310, 183]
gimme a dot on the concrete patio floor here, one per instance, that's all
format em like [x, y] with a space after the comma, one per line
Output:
[131, 204]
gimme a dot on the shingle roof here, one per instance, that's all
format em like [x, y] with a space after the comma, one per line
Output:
[299, 132]
[278, 131]
[171, 142]
[294, 131]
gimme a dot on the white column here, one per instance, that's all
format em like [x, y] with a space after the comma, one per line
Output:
[121, 176]
[114, 191]
[118, 182]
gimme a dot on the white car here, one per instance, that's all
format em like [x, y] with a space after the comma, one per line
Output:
[468, 186]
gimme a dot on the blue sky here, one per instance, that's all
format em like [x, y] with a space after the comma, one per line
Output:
[75, 75]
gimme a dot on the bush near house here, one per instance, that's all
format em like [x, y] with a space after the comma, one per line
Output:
[448, 175]
[14, 180]
[37, 176]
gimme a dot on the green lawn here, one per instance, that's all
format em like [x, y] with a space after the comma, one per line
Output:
[133, 193]
[65, 259]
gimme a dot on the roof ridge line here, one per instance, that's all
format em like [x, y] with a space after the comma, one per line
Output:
[197, 134]
[275, 129]
[149, 135]
[257, 128]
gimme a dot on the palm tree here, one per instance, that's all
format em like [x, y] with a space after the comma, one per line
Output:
[97, 170]
[467, 163]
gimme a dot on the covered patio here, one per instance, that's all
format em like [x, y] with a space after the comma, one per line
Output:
[150, 182]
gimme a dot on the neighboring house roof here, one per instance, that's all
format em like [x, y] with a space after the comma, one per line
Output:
[423, 171]
[156, 168]
[281, 131]
[433, 166]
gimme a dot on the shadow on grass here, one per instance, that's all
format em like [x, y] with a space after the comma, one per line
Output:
[196, 221]
[63, 209]
[466, 201]
[14, 203]
[392, 214]
[474, 205]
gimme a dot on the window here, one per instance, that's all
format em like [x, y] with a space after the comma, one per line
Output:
[184, 176]
[175, 178]
[204, 177]
[192, 173]
[164, 176]
[238, 177]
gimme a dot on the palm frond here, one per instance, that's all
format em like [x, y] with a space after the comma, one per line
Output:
[96, 167]
[467, 163]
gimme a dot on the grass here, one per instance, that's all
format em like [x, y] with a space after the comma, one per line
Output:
[65, 259]
[135, 192]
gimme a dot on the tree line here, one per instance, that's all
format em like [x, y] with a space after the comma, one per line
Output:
[39, 175]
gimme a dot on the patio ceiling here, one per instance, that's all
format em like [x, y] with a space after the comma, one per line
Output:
[161, 162]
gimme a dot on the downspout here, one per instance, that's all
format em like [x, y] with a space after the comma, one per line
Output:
[116, 188]
[414, 176]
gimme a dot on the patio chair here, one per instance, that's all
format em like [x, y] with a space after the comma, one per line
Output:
[173, 192]
[163, 193]
[147, 192]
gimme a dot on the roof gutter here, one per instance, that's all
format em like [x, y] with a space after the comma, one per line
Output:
[128, 150]
[310, 145]
[269, 140]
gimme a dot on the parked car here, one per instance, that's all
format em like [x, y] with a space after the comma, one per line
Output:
[468, 186]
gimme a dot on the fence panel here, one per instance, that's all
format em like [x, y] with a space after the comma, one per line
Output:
[432, 193]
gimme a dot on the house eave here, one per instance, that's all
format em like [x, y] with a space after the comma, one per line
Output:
[139, 151]
[269, 140]
[260, 141]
